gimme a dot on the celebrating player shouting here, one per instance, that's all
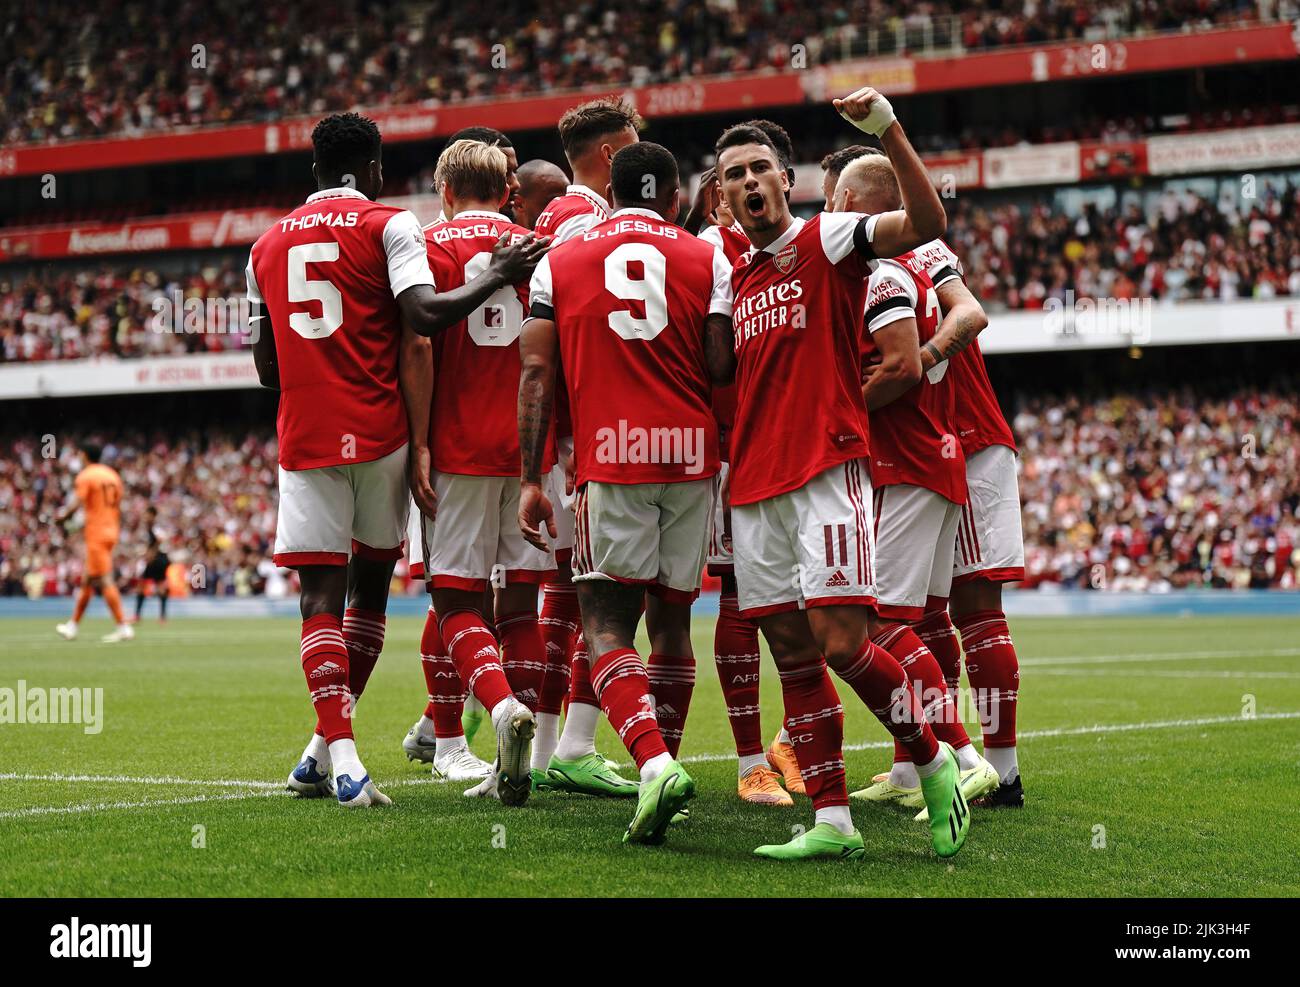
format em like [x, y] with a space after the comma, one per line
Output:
[637, 310]
[800, 491]
[343, 280]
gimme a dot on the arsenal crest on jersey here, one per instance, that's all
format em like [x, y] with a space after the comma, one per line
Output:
[784, 259]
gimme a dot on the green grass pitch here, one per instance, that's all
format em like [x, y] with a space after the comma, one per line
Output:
[1143, 777]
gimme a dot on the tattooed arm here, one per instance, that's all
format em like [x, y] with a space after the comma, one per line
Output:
[963, 320]
[538, 356]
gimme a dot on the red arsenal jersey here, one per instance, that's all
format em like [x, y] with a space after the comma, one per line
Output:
[569, 215]
[914, 437]
[798, 324]
[474, 425]
[328, 275]
[980, 422]
[732, 241]
[630, 298]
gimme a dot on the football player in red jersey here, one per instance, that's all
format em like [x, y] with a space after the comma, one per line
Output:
[591, 134]
[799, 484]
[541, 182]
[638, 312]
[339, 288]
[918, 474]
[988, 547]
[473, 542]
[735, 639]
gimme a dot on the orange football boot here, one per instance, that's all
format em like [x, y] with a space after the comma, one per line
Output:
[762, 786]
[781, 757]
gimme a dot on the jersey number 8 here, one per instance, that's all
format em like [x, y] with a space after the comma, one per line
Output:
[498, 320]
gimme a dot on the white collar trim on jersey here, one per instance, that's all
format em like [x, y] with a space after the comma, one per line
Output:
[591, 194]
[781, 241]
[342, 192]
[481, 214]
[638, 211]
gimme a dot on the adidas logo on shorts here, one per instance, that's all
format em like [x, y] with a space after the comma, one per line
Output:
[837, 580]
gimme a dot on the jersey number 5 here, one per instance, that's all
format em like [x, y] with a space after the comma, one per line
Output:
[301, 290]
[635, 272]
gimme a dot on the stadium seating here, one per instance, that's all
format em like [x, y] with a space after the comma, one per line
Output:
[81, 71]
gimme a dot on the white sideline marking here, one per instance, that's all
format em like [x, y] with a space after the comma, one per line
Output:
[1156, 673]
[1099, 728]
[67, 810]
[1158, 656]
[146, 780]
[263, 789]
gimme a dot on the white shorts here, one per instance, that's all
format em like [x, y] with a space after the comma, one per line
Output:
[720, 559]
[331, 513]
[414, 544]
[475, 540]
[915, 529]
[562, 505]
[810, 547]
[651, 534]
[989, 540]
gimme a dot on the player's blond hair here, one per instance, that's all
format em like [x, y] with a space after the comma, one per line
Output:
[473, 170]
[873, 182]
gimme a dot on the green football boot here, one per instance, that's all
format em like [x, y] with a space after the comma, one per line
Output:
[657, 803]
[822, 842]
[949, 813]
[588, 775]
[471, 718]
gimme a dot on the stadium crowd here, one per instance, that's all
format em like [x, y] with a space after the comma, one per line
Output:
[214, 491]
[120, 309]
[1185, 247]
[1161, 490]
[1129, 492]
[79, 70]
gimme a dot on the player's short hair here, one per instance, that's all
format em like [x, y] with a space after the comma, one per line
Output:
[345, 141]
[582, 126]
[872, 175]
[780, 139]
[93, 451]
[744, 133]
[485, 135]
[473, 170]
[835, 162]
[641, 173]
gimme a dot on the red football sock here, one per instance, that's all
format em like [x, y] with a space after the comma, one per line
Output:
[936, 632]
[735, 650]
[558, 623]
[83, 600]
[325, 664]
[474, 651]
[815, 721]
[672, 680]
[580, 687]
[621, 681]
[363, 633]
[880, 682]
[446, 694]
[925, 679]
[994, 673]
[523, 654]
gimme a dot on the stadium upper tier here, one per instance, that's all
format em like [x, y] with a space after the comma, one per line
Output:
[1183, 243]
[78, 71]
[1128, 492]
